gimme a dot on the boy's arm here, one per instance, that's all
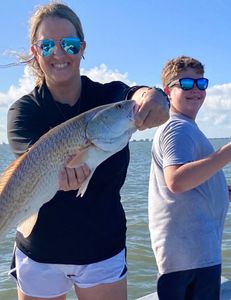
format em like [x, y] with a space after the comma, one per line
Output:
[182, 178]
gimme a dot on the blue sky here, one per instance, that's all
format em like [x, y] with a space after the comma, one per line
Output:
[131, 40]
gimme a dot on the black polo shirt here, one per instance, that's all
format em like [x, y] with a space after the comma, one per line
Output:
[70, 229]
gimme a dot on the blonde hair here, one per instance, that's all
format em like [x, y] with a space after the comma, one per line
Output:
[176, 65]
[52, 9]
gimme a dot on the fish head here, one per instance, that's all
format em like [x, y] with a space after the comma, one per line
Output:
[111, 128]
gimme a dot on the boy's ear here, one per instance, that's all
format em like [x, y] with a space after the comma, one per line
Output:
[167, 90]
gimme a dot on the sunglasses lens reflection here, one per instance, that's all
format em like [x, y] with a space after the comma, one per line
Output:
[186, 83]
[47, 47]
[71, 45]
[202, 84]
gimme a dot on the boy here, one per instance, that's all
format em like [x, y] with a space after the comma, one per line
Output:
[188, 193]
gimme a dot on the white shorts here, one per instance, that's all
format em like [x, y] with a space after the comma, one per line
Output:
[53, 280]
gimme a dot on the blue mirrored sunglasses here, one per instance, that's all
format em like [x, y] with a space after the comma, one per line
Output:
[70, 45]
[188, 83]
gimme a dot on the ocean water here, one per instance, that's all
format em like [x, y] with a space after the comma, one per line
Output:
[141, 262]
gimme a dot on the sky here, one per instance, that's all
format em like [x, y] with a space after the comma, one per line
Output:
[131, 40]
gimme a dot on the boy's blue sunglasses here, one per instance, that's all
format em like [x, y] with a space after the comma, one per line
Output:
[70, 45]
[188, 83]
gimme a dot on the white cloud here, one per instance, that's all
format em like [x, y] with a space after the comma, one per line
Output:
[24, 86]
[26, 83]
[214, 118]
[215, 115]
[103, 74]
[219, 97]
[2, 125]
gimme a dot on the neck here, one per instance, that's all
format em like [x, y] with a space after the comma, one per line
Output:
[188, 115]
[66, 93]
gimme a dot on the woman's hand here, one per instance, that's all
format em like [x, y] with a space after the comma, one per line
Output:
[72, 178]
[153, 107]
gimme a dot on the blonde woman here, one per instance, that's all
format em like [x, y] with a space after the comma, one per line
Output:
[75, 242]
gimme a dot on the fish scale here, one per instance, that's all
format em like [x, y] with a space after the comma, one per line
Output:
[32, 179]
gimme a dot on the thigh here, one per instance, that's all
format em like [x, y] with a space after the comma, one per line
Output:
[207, 283]
[174, 285]
[112, 291]
[106, 271]
[103, 280]
[38, 280]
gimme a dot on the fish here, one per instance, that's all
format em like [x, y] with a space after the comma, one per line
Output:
[33, 179]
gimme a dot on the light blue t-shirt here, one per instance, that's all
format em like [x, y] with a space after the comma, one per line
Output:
[186, 228]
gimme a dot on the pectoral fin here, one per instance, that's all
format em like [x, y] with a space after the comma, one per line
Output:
[94, 157]
[84, 185]
[78, 159]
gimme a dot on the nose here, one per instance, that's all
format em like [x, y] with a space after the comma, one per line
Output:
[195, 89]
[58, 51]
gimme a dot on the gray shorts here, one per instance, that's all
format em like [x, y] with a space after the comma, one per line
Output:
[51, 280]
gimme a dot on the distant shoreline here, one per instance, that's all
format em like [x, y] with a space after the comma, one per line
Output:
[146, 140]
[150, 140]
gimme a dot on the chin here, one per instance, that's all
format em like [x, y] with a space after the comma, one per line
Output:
[62, 81]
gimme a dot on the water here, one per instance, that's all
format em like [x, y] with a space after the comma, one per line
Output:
[141, 262]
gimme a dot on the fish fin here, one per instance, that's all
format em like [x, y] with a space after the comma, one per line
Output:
[84, 185]
[6, 175]
[95, 157]
[78, 159]
[26, 226]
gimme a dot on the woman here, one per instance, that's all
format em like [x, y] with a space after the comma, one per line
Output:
[75, 241]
